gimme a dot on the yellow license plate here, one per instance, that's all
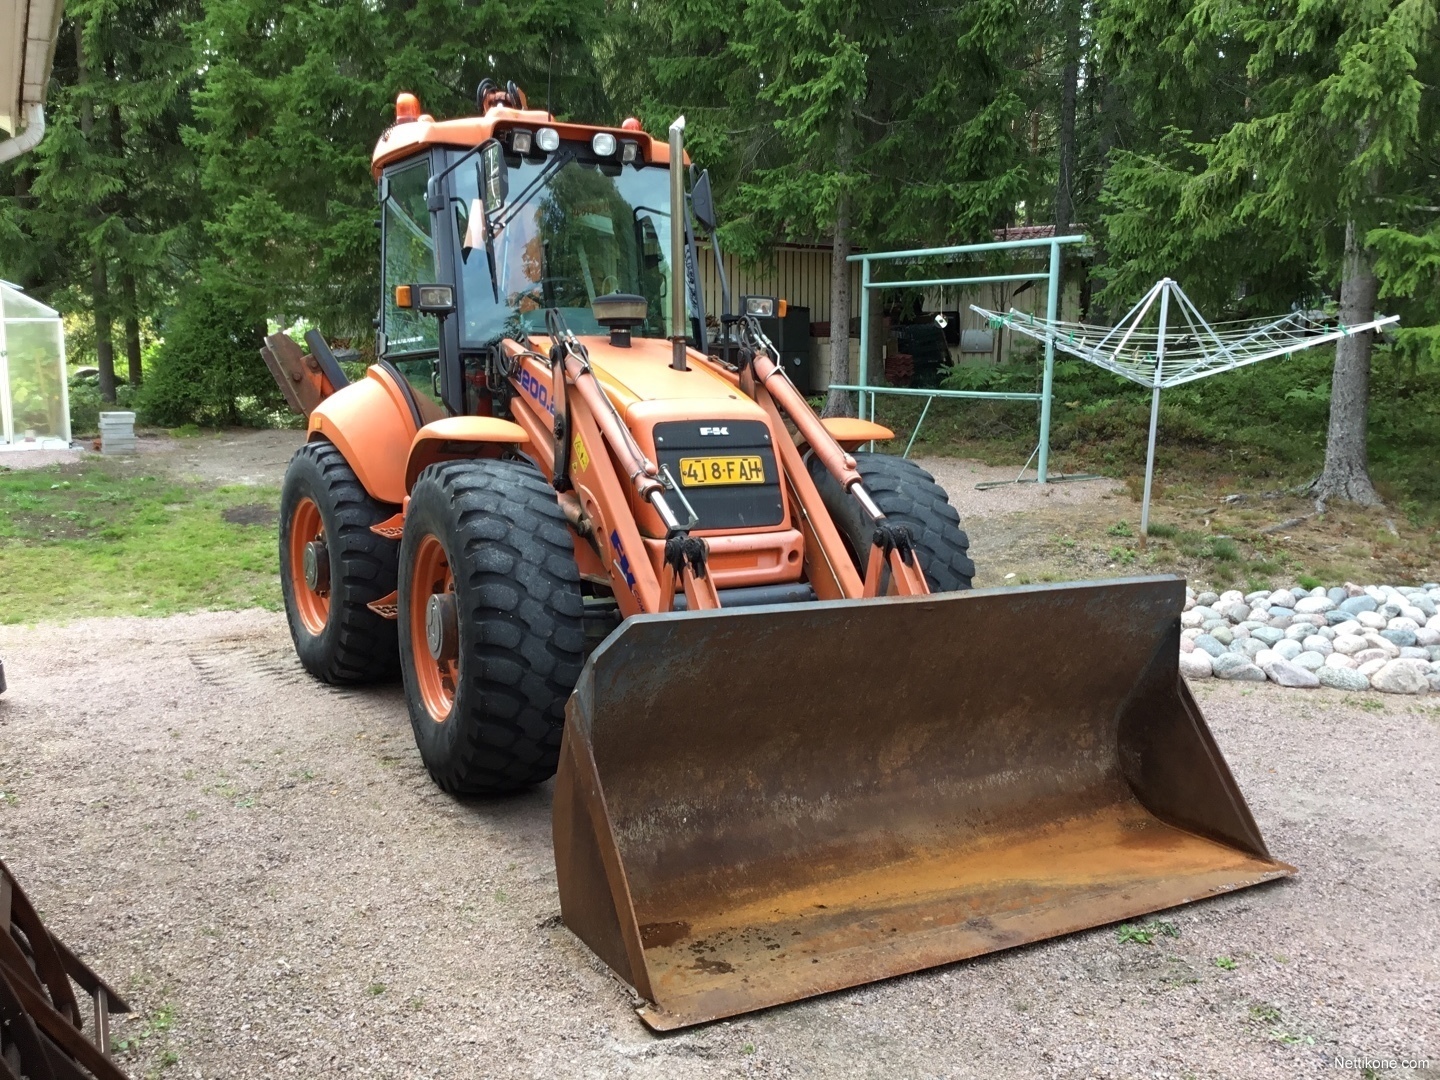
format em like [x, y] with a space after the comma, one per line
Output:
[700, 471]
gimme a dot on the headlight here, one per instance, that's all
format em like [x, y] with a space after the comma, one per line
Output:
[629, 152]
[762, 307]
[521, 141]
[547, 139]
[603, 144]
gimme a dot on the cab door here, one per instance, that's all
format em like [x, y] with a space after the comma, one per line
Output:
[410, 340]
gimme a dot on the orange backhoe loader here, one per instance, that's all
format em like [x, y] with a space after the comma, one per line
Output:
[795, 751]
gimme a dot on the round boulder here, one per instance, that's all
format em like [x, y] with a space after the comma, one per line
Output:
[1401, 677]
[1236, 668]
[1293, 675]
[1195, 665]
[1342, 679]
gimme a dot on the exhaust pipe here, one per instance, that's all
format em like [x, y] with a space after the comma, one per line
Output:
[677, 244]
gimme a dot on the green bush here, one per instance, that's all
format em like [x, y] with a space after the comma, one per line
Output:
[208, 369]
[86, 404]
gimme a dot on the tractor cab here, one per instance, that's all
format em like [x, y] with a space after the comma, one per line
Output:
[521, 214]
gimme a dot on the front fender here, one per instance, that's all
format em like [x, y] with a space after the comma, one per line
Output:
[370, 422]
[460, 437]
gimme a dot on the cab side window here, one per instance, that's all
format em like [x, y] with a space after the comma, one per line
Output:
[412, 339]
[409, 259]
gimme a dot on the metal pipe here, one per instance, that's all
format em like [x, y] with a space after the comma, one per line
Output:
[28, 139]
[1155, 410]
[930, 282]
[677, 244]
[915, 434]
[987, 395]
[1052, 304]
[965, 249]
[864, 335]
[757, 596]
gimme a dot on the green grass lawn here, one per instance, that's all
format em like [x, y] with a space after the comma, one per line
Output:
[101, 538]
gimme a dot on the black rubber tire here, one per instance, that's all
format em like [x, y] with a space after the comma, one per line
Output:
[521, 628]
[357, 645]
[907, 494]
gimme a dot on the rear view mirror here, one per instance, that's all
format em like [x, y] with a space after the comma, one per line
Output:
[494, 178]
[702, 203]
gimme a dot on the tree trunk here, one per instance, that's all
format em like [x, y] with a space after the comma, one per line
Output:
[132, 328]
[840, 402]
[1069, 84]
[99, 284]
[1347, 472]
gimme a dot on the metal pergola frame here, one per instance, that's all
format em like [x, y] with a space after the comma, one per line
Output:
[868, 393]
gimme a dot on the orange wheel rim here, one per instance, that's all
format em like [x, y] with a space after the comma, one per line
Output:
[437, 676]
[312, 599]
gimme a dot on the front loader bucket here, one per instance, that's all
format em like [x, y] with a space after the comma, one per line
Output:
[754, 807]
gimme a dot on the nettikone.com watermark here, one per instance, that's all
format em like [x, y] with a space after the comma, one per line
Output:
[1369, 1063]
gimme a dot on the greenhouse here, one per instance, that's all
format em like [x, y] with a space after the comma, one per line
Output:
[34, 403]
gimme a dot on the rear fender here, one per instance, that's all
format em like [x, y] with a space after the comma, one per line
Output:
[458, 437]
[371, 423]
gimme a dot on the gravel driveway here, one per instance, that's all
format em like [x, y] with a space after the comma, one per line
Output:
[262, 864]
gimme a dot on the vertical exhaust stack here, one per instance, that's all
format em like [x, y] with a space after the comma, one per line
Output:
[758, 806]
[677, 244]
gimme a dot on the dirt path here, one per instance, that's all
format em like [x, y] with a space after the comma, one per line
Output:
[262, 864]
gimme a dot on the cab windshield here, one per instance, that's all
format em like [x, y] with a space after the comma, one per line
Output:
[571, 229]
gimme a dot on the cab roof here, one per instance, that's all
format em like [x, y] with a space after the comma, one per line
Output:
[407, 137]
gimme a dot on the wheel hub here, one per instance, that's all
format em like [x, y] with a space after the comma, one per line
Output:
[317, 566]
[442, 627]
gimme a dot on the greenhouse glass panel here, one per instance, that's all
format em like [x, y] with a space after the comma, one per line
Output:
[34, 398]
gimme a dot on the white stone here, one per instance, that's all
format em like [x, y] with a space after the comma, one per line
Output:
[1409, 611]
[1282, 598]
[1194, 617]
[1265, 657]
[1231, 596]
[1371, 666]
[1195, 665]
[1401, 677]
[1400, 622]
[1316, 643]
[1371, 619]
[1288, 648]
[1312, 605]
[1340, 660]
[1293, 675]
[1349, 644]
[1375, 641]
[1311, 661]
[1426, 636]
[1368, 656]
